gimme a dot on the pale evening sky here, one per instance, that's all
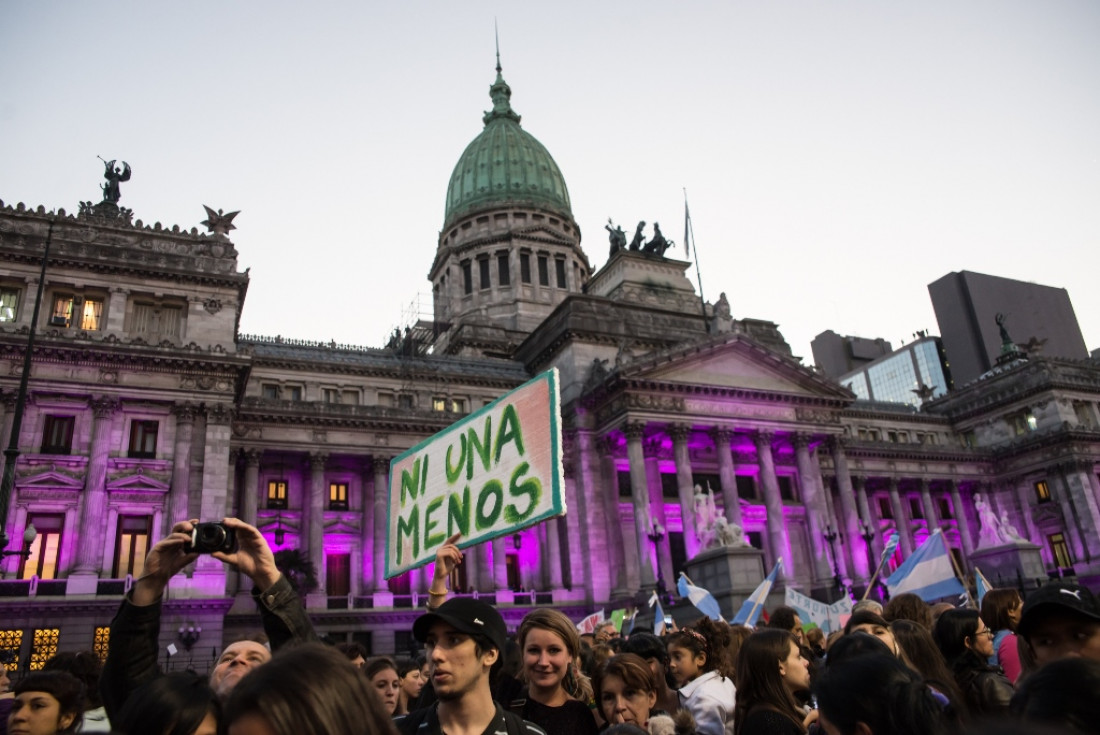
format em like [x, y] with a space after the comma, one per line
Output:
[838, 157]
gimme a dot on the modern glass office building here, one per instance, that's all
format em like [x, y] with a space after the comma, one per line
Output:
[911, 374]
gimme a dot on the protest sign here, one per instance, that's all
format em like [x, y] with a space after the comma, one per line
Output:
[488, 475]
[824, 616]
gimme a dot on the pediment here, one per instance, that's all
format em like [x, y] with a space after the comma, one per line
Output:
[137, 481]
[542, 233]
[735, 363]
[51, 479]
[341, 526]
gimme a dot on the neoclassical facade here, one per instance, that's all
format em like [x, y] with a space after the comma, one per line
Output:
[146, 405]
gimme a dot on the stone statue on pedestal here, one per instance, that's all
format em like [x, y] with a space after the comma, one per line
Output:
[711, 527]
[990, 533]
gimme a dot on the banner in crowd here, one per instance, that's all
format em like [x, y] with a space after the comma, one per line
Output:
[588, 625]
[827, 617]
[490, 474]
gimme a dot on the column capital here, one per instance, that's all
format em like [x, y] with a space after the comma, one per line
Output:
[104, 407]
[185, 412]
[9, 398]
[252, 457]
[380, 463]
[763, 438]
[893, 483]
[220, 413]
[654, 447]
[836, 443]
[317, 460]
[679, 432]
[800, 440]
[634, 430]
[721, 436]
[606, 445]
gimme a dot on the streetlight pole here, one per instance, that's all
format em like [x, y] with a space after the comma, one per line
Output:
[11, 454]
[656, 535]
[831, 535]
[867, 533]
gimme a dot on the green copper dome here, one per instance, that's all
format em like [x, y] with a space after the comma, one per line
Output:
[504, 165]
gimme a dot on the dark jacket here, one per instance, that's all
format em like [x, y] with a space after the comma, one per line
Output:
[133, 649]
[986, 689]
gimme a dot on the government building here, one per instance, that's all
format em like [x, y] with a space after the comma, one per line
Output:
[146, 404]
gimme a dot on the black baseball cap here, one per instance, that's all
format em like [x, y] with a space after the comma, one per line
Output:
[1057, 595]
[467, 615]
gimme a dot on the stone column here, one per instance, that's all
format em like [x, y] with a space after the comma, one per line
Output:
[623, 555]
[931, 520]
[816, 511]
[684, 486]
[209, 577]
[553, 551]
[380, 464]
[250, 491]
[1085, 515]
[639, 491]
[8, 401]
[727, 474]
[313, 522]
[848, 523]
[901, 519]
[653, 449]
[181, 462]
[960, 518]
[779, 545]
[500, 567]
[90, 542]
[1023, 497]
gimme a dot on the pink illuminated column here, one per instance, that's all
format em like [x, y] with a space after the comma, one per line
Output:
[816, 510]
[381, 467]
[931, 519]
[181, 463]
[848, 522]
[500, 565]
[864, 505]
[961, 518]
[779, 545]
[622, 556]
[901, 518]
[684, 487]
[89, 550]
[1023, 497]
[639, 492]
[313, 512]
[727, 474]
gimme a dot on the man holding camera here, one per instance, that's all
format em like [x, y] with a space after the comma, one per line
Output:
[133, 649]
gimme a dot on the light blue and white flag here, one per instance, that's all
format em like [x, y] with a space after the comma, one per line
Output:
[754, 605]
[659, 620]
[981, 584]
[928, 573]
[704, 601]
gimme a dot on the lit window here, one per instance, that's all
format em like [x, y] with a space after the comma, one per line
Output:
[458, 405]
[11, 643]
[9, 304]
[338, 496]
[276, 494]
[1059, 549]
[101, 641]
[46, 548]
[1021, 422]
[44, 647]
[132, 546]
[91, 314]
[62, 313]
[439, 404]
[1042, 491]
[143, 439]
[57, 434]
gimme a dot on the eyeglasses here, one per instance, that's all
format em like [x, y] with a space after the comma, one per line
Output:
[987, 632]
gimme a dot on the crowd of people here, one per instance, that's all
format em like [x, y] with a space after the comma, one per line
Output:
[905, 668]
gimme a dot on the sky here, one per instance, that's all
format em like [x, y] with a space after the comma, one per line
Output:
[837, 157]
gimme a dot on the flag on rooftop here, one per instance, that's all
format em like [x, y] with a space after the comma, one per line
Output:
[752, 607]
[703, 600]
[928, 573]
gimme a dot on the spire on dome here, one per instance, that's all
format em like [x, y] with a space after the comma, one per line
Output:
[500, 92]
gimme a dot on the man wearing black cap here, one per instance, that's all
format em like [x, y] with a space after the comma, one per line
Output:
[462, 639]
[1059, 620]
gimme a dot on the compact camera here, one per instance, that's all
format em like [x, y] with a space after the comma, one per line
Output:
[210, 537]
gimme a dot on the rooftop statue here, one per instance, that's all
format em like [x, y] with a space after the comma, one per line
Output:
[639, 238]
[218, 222]
[617, 237]
[114, 176]
[658, 245]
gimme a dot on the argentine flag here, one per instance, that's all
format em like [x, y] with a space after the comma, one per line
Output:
[754, 605]
[981, 584]
[659, 620]
[704, 601]
[928, 573]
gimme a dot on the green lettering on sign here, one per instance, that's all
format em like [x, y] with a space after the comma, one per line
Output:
[458, 513]
[509, 431]
[494, 490]
[411, 529]
[431, 539]
[531, 488]
[480, 446]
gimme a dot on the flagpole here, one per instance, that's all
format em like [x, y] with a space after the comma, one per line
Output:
[958, 572]
[878, 570]
[690, 231]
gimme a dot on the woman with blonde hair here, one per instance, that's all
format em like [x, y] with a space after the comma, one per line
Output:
[557, 693]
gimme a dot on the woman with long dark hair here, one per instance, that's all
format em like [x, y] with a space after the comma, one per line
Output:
[770, 672]
[1001, 609]
[876, 694]
[967, 643]
[174, 704]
